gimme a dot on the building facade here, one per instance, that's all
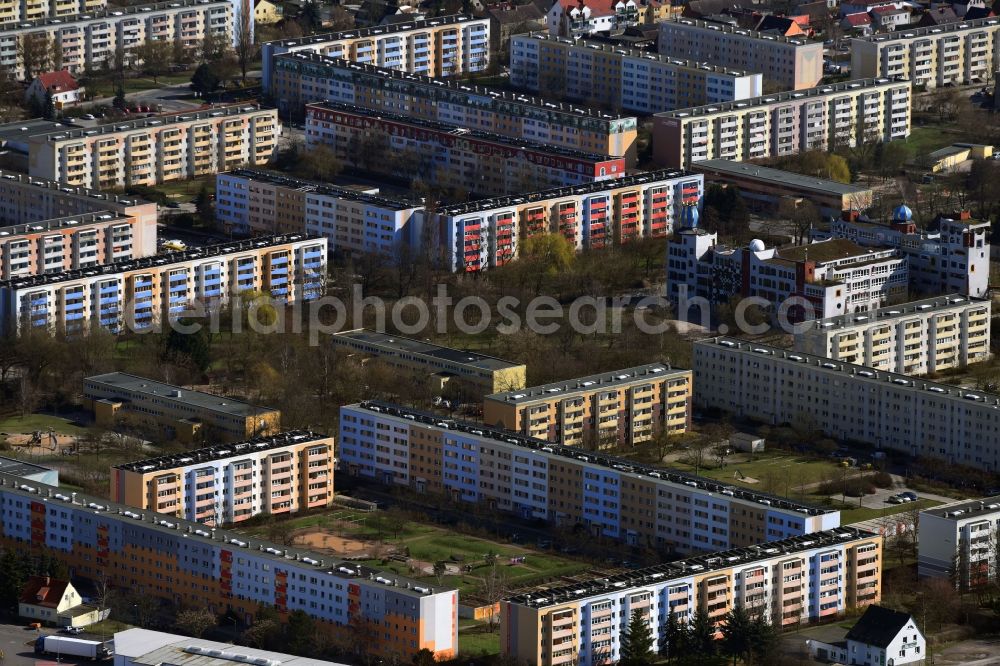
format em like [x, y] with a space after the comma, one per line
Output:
[916, 338]
[477, 373]
[790, 581]
[227, 483]
[176, 412]
[784, 123]
[960, 53]
[140, 294]
[88, 38]
[627, 406]
[156, 150]
[449, 155]
[300, 78]
[960, 541]
[440, 46]
[610, 497]
[190, 565]
[483, 234]
[793, 63]
[254, 202]
[848, 402]
[30, 10]
[599, 73]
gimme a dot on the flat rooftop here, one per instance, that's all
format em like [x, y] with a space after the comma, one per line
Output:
[888, 313]
[623, 465]
[301, 185]
[112, 12]
[15, 177]
[691, 566]
[122, 381]
[20, 468]
[825, 251]
[375, 31]
[931, 31]
[769, 176]
[159, 260]
[223, 451]
[743, 32]
[854, 85]
[54, 224]
[158, 121]
[457, 130]
[179, 528]
[450, 87]
[641, 178]
[857, 372]
[604, 380]
[966, 508]
[21, 131]
[396, 344]
[153, 648]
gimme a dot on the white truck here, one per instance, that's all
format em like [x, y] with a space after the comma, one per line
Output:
[74, 647]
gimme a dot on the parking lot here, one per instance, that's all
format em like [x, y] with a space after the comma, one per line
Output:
[18, 645]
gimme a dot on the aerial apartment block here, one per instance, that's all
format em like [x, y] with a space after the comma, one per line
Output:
[482, 234]
[784, 123]
[960, 53]
[613, 498]
[951, 256]
[191, 565]
[476, 372]
[249, 201]
[791, 581]
[156, 150]
[848, 402]
[30, 10]
[627, 406]
[226, 483]
[448, 155]
[300, 78]
[173, 411]
[603, 74]
[140, 294]
[916, 338]
[833, 276]
[793, 63]
[440, 46]
[959, 541]
[88, 40]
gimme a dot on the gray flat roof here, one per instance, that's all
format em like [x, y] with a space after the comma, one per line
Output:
[400, 344]
[968, 508]
[150, 387]
[74, 190]
[27, 128]
[932, 30]
[222, 451]
[768, 175]
[152, 648]
[20, 468]
[889, 312]
[158, 121]
[604, 380]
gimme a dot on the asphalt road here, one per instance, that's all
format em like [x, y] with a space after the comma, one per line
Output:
[18, 645]
[168, 97]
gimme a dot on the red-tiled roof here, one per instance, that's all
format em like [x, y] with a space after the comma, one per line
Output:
[60, 81]
[858, 19]
[596, 7]
[889, 9]
[43, 591]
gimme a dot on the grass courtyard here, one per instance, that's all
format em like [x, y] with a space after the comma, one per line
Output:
[42, 422]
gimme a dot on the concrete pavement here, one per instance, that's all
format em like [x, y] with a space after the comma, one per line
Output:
[168, 97]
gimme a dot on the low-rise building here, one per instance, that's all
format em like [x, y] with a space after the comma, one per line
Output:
[140, 294]
[57, 603]
[441, 46]
[156, 150]
[794, 63]
[613, 498]
[579, 18]
[274, 474]
[790, 581]
[472, 372]
[303, 77]
[143, 647]
[881, 636]
[954, 157]
[915, 338]
[764, 188]
[176, 412]
[961, 541]
[449, 155]
[784, 123]
[627, 406]
[60, 86]
[29, 471]
[848, 402]
[614, 76]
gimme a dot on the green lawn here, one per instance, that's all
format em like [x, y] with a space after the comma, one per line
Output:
[478, 641]
[775, 472]
[856, 514]
[106, 88]
[186, 189]
[927, 139]
[43, 422]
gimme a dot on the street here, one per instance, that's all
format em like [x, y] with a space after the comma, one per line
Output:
[168, 97]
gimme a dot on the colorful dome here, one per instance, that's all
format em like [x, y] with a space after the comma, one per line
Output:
[689, 217]
[902, 213]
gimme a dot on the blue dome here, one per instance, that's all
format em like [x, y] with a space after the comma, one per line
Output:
[902, 213]
[689, 217]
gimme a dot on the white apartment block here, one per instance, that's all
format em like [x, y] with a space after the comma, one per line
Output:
[915, 338]
[784, 123]
[249, 201]
[962, 53]
[794, 63]
[440, 46]
[618, 76]
[139, 294]
[833, 276]
[848, 402]
[30, 10]
[156, 150]
[961, 541]
[89, 40]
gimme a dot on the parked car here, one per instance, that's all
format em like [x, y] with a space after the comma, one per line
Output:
[89, 116]
[910, 496]
[896, 499]
[72, 630]
[35, 625]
